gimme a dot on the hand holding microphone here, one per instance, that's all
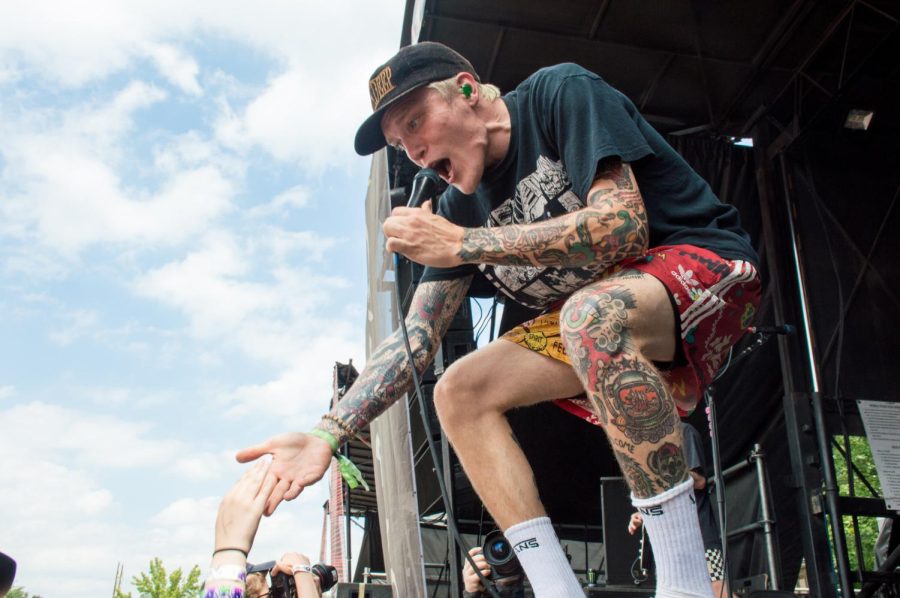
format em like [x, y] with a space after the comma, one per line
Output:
[418, 233]
[424, 186]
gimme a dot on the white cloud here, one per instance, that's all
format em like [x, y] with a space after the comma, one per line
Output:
[191, 150]
[296, 197]
[300, 395]
[307, 113]
[7, 392]
[77, 43]
[78, 323]
[8, 74]
[204, 466]
[68, 194]
[179, 69]
[302, 118]
[69, 213]
[98, 127]
[252, 295]
[42, 431]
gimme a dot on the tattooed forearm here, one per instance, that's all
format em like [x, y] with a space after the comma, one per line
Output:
[611, 227]
[387, 375]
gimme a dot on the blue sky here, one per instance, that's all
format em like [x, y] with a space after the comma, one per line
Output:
[182, 260]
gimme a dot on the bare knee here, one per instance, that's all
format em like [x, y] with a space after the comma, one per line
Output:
[456, 397]
[468, 390]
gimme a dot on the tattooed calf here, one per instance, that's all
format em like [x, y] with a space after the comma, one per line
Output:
[638, 480]
[622, 444]
[638, 402]
[668, 463]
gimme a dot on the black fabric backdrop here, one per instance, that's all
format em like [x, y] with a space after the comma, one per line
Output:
[569, 456]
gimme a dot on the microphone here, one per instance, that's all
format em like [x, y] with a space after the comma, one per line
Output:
[424, 186]
[783, 329]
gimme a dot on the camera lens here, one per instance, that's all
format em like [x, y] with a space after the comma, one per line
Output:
[327, 575]
[499, 555]
[500, 549]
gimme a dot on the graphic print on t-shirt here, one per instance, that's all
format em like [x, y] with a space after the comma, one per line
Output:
[545, 193]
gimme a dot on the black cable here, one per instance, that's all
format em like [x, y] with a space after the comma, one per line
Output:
[432, 447]
[480, 526]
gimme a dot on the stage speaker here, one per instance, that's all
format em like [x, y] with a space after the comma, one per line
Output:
[362, 590]
[621, 547]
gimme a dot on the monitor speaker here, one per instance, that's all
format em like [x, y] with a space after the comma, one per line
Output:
[621, 547]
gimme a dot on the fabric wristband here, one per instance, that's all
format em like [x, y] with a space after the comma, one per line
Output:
[331, 440]
[350, 472]
[300, 569]
[227, 573]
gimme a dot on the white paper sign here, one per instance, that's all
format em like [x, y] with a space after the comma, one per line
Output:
[882, 422]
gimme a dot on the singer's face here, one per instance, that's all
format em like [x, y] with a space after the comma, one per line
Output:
[445, 135]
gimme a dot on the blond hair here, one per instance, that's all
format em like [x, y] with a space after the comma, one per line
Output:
[448, 87]
[256, 585]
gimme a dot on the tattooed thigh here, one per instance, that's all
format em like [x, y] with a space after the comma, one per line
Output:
[594, 322]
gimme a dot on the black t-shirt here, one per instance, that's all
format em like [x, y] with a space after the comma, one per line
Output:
[565, 120]
[694, 460]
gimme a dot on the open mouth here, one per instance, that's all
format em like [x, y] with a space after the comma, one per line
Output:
[442, 167]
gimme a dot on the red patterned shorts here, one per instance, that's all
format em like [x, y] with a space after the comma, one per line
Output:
[715, 299]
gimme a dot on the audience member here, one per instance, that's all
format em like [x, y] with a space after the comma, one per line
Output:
[236, 525]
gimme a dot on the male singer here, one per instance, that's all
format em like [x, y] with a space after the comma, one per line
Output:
[567, 200]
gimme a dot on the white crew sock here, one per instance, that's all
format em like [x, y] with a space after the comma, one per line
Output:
[537, 547]
[674, 530]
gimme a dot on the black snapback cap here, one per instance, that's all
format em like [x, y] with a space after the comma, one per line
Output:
[411, 68]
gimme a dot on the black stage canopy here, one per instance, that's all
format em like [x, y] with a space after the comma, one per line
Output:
[817, 198]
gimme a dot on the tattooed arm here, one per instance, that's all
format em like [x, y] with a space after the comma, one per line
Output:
[299, 460]
[611, 227]
[387, 376]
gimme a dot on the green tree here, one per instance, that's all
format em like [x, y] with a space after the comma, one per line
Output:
[861, 456]
[19, 592]
[159, 584]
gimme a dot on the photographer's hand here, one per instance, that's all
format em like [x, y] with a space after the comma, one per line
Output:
[471, 580]
[307, 584]
[298, 460]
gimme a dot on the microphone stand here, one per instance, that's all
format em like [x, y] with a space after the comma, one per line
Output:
[709, 395]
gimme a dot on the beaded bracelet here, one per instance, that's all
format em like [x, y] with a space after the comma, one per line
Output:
[344, 426]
